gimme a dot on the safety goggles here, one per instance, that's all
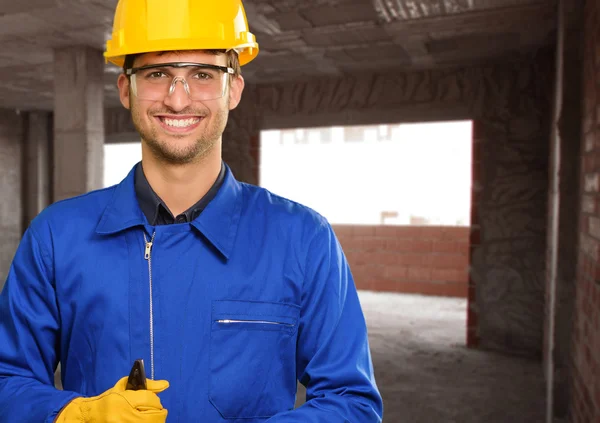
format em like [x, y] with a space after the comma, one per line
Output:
[201, 81]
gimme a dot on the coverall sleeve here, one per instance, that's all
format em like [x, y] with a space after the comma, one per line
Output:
[29, 338]
[333, 355]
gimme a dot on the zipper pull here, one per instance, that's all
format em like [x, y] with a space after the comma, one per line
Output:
[148, 250]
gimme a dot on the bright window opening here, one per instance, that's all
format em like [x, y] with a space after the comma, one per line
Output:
[398, 174]
[119, 159]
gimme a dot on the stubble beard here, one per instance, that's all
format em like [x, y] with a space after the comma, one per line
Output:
[171, 153]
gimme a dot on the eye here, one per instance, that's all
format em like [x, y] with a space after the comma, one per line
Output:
[155, 75]
[203, 76]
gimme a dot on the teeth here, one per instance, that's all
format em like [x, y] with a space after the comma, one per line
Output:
[181, 123]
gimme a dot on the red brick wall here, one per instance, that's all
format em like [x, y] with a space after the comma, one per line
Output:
[429, 260]
[586, 336]
[475, 233]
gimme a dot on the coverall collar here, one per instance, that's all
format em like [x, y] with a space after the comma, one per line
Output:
[218, 222]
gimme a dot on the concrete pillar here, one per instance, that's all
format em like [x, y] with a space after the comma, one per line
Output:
[241, 139]
[11, 132]
[37, 175]
[563, 216]
[78, 121]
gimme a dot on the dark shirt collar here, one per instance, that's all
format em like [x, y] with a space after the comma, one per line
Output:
[155, 209]
[218, 223]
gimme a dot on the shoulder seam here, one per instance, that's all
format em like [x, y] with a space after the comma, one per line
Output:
[46, 256]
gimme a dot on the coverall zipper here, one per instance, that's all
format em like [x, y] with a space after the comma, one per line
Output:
[148, 257]
[264, 322]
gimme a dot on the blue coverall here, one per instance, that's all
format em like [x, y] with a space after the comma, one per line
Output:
[232, 309]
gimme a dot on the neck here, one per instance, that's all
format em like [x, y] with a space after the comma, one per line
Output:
[181, 186]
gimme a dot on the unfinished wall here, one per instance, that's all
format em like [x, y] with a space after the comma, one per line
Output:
[11, 132]
[510, 105]
[585, 396]
[429, 260]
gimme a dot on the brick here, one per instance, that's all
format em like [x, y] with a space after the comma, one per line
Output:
[369, 258]
[594, 227]
[448, 261]
[455, 232]
[589, 163]
[344, 240]
[590, 141]
[356, 259]
[373, 271]
[342, 230]
[385, 258]
[409, 232]
[419, 274]
[400, 245]
[431, 232]
[449, 275]
[592, 182]
[372, 244]
[411, 259]
[363, 230]
[385, 285]
[421, 246]
[396, 272]
[361, 282]
[589, 100]
[588, 204]
[588, 123]
[450, 289]
[386, 231]
[450, 247]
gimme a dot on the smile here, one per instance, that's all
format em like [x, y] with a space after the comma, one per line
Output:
[180, 123]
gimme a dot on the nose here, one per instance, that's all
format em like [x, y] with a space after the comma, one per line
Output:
[178, 97]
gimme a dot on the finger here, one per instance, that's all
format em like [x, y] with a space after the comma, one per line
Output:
[156, 385]
[142, 398]
[121, 385]
[157, 416]
[152, 411]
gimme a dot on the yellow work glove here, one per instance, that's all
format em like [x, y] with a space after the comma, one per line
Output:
[117, 405]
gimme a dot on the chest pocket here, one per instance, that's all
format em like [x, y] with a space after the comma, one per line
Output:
[253, 358]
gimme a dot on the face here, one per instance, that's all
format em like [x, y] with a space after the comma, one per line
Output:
[176, 129]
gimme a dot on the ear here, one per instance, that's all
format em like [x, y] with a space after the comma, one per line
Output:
[235, 91]
[123, 84]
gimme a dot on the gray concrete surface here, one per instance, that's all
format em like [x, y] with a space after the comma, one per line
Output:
[297, 38]
[427, 375]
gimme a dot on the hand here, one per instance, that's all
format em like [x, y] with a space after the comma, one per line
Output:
[117, 405]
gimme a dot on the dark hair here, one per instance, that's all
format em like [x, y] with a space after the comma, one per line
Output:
[232, 60]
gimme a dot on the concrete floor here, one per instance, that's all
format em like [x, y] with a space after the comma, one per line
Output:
[426, 374]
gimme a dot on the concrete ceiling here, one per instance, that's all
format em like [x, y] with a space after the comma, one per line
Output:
[298, 38]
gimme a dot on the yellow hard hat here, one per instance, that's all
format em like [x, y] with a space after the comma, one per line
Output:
[144, 26]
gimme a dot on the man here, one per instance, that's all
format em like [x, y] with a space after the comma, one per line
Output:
[229, 293]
